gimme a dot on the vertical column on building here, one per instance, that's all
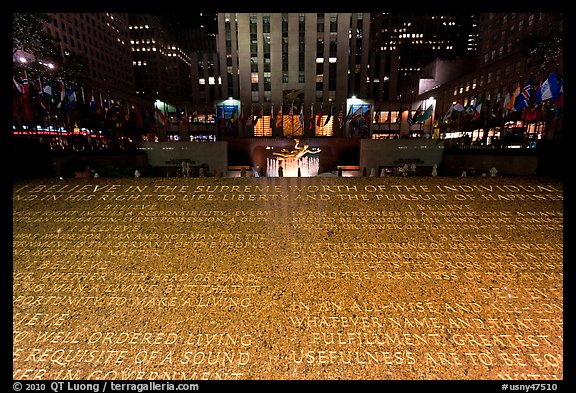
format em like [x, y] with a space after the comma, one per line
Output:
[342, 67]
[364, 54]
[309, 72]
[276, 66]
[245, 84]
[394, 64]
[221, 50]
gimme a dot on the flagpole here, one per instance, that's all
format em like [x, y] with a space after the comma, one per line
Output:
[292, 118]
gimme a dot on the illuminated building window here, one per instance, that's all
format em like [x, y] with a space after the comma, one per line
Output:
[262, 127]
[291, 125]
[325, 130]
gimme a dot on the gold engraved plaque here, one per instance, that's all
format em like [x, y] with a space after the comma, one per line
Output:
[288, 278]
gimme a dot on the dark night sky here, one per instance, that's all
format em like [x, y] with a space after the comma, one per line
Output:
[189, 19]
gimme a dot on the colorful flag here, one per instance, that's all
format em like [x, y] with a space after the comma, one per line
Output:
[250, 118]
[513, 97]
[301, 119]
[279, 118]
[470, 109]
[329, 116]
[341, 116]
[311, 124]
[377, 116]
[41, 99]
[560, 100]
[357, 114]
[506, 103]
[477, 110]
[523, 98]
[62, 95]
[538, 94]
[427, 113]
[550, 87]
[410, 119]
[319, 117]
[70, 98]
[92, 103]
[348, 115]
[160, 118]
[367, 117]
[459, 107]
[26, 106]
[258, 116]
[449, 113]
[47, 93]
[417, 114]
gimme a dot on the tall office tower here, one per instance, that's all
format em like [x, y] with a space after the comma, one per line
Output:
[162, 69]
[196, 33]
[419, 38]
[307, 63]
[102, 40]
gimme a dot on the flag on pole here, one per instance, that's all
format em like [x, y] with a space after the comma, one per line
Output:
[41, 99]
[160, 118]
[513, 97]
[538, 94]
[348, 115]
[550, 87]
[329, 116]
[279, 119]
[477, 110]
[459, 107]
[410, 119]
[449, 113]
[427, 113]
[311, 124]
[523, 98]
[258, 115]
[357, 114]
[417, 114]
[367, 117]
[301, 119]
[70, 98]
[62, 95]
[92, 102]
[341, 117]
[319, 117]
[26, 106]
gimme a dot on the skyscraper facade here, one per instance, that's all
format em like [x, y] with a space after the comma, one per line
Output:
[307, 63]
[103, 41]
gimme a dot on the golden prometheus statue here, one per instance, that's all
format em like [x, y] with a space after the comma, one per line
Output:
[297, 153]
